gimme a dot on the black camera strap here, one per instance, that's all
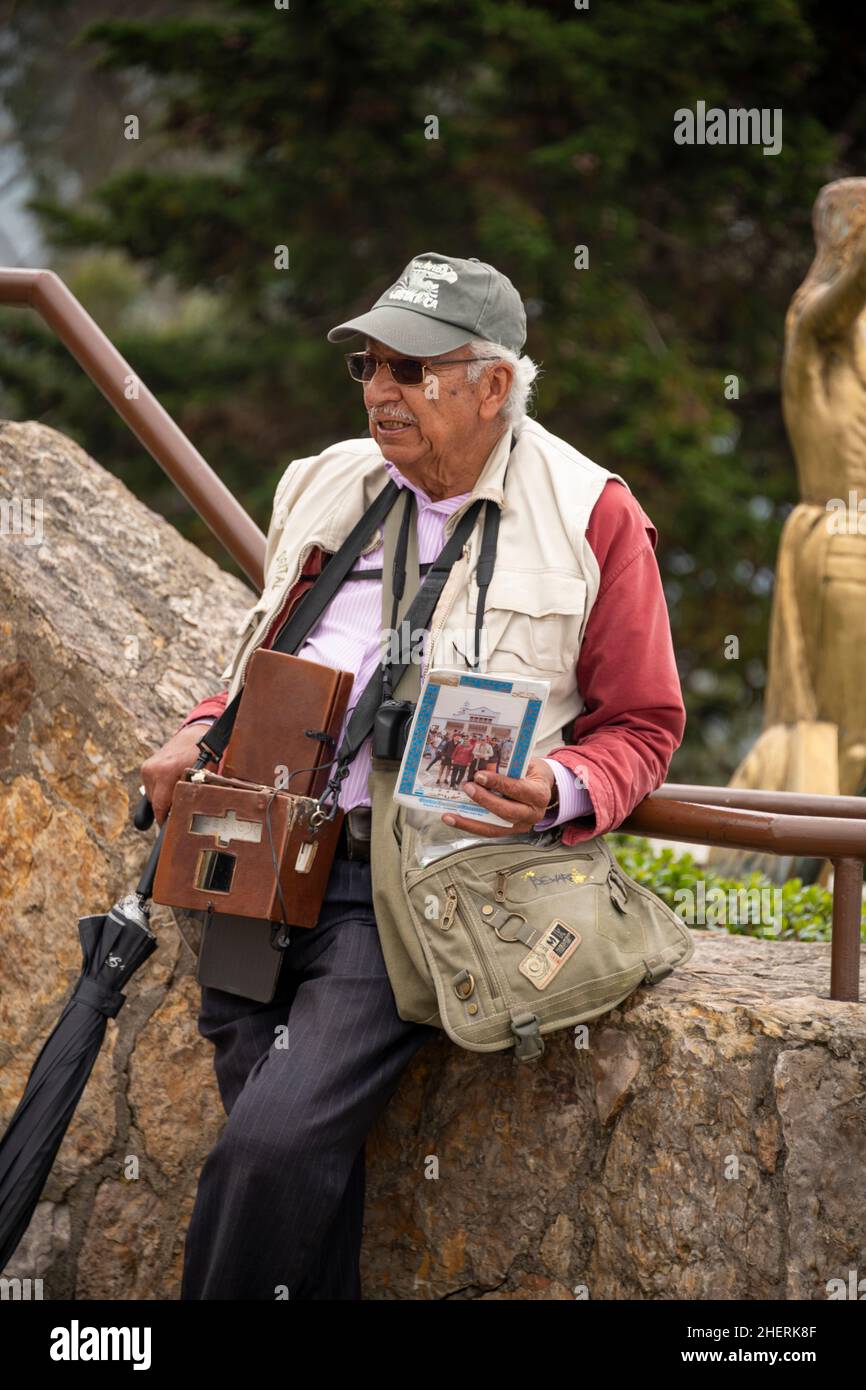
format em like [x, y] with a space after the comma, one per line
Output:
[398, 581]
[388, 675]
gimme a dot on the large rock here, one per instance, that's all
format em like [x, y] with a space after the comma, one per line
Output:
[112, 627]
[706, 1140]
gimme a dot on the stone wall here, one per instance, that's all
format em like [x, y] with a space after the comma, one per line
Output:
[706, 1140]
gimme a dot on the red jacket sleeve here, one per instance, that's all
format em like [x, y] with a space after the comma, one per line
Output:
[210, 708]
[634, 717]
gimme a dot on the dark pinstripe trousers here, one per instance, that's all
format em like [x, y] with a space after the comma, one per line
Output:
[280, 1201]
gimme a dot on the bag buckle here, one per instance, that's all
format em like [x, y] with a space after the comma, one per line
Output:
[657, 967]
[530, 1044]
[323, 812]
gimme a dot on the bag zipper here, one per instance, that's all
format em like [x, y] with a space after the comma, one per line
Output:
[503, 875]
[616, 886]
[485, 964]
[450, 908]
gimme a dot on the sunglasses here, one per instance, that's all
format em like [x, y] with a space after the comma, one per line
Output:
[406, 371]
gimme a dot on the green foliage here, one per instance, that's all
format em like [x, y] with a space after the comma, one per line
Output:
[806, 912]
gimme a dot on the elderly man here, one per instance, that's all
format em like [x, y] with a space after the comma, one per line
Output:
[576, 597]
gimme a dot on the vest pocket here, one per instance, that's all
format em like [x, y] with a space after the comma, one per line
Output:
[535, 616]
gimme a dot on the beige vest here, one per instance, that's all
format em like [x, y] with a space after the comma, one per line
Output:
[544, 583]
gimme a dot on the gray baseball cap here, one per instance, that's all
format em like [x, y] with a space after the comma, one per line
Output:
[440, 302]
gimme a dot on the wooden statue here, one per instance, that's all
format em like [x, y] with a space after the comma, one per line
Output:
[814, 734]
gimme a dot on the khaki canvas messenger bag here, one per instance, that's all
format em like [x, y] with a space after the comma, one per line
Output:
[500, 943]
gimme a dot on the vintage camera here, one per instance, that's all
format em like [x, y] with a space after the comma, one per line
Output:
[391, 728]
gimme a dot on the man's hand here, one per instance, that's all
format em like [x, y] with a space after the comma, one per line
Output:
[162, 769]
[520, 800]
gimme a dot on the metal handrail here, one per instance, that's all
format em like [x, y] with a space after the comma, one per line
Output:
[45, 292]
[753, 799]
[778, 822]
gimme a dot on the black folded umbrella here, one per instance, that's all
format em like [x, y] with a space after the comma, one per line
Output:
[114, 946]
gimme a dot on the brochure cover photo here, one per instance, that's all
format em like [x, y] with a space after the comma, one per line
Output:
[467, 723]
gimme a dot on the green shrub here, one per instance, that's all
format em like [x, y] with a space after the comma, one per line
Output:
[805, 914]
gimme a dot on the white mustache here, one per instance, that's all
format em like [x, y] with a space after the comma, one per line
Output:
[379, 414]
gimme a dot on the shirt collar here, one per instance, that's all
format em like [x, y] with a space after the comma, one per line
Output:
[445, 504]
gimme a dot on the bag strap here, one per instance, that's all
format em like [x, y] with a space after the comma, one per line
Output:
[484, 570]
[417, 616]
[311, 607]
[400, 572]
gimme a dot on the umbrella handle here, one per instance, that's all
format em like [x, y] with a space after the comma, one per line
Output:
[145, 883]
[143, 809]
[142, 816]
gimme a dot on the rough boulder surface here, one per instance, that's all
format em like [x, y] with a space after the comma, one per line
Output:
[705, 1140]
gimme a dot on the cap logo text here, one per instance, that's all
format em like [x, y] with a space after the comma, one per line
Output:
[420, 283]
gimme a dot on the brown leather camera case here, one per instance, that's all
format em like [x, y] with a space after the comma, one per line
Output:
[283, 696]
[217, 851]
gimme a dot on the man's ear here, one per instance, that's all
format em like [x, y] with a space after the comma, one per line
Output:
[496, 383]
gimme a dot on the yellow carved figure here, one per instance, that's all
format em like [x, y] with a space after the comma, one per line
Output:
[814, 734]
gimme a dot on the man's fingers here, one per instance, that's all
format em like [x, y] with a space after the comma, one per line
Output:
[499, 782]
[508, 809]
[512, 807]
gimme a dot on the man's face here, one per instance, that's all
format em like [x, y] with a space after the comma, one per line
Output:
[418, 426]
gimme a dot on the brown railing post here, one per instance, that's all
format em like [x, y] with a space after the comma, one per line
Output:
[845, 948]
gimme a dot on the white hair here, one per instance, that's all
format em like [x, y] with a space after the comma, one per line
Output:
[525, 373]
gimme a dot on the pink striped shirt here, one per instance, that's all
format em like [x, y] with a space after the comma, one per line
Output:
[347, 636]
